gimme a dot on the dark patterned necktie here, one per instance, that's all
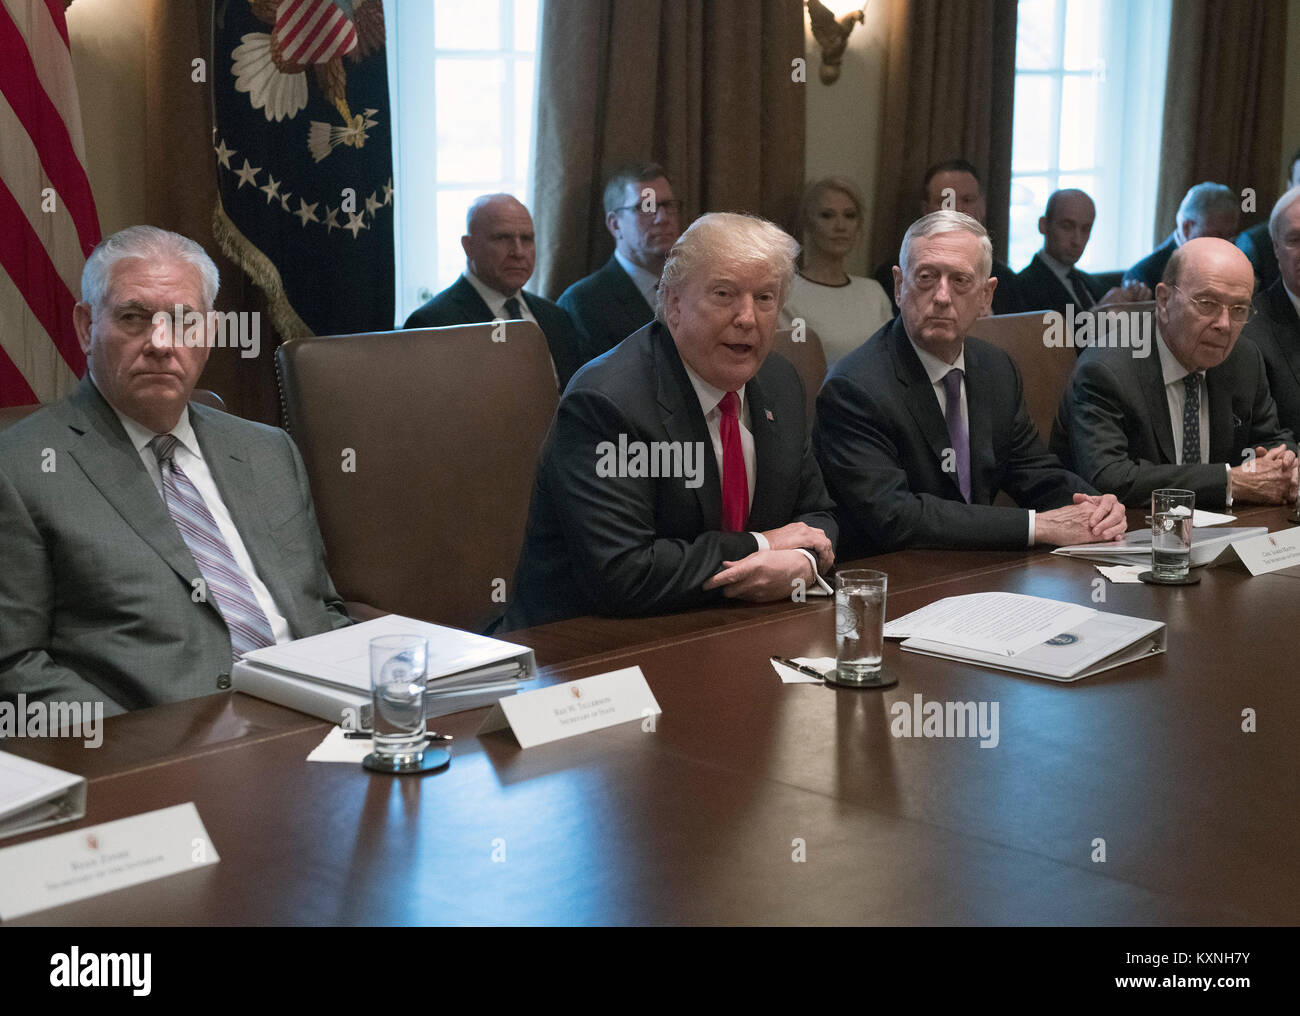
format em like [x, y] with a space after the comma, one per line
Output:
[957, 429]
[513, 313]
[1082, 295]
[1192, 418]
[231, 593]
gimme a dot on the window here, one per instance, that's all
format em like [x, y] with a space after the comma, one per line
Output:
[462, 76]
[1090, 89]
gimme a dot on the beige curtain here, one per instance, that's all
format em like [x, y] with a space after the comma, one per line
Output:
[950, 80]
[181, 186]
[1223, 102]
[704, 87]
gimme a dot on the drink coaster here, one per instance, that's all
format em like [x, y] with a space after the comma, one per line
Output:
[882, 680]
[434, 758]
[1192, 579]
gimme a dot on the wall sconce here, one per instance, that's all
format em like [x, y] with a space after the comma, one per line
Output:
[832, 34]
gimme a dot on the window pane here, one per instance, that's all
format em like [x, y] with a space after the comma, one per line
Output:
[523, 118]
[1031, 143]
[1078, 123]
[1035, 34]
[526, 25]
[1028, 199]
[1082, 35]
[452, 206]
[467, 24]
[469, 120]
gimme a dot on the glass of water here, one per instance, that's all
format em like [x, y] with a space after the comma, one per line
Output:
[859, 625]
[1171, 533]
[398, 672]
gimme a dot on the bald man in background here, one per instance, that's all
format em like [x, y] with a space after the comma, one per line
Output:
[1181, 418]
[500, 251]
[1051, 281]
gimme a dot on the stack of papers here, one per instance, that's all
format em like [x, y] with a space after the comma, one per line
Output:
[328, 675]
[1207, 545]
[1027, 635]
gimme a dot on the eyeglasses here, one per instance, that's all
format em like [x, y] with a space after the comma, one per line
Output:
[671, 206]
[1238, 313]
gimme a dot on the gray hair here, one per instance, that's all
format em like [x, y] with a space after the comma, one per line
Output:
[1207, 199]
[945, 220]
[729, 238]
[629, 173]
[149, 243]
[1275, 217]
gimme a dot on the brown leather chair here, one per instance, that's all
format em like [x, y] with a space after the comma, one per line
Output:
[809, 360]
[421, 447]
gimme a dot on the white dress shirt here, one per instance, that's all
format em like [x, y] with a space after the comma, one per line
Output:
[1173, 373]
[936, 370]
[497, 301]
[646, 282]
[189, 457]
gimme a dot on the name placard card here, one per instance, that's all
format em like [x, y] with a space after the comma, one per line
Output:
[1271, 552]
[578, 707]
[99, 859]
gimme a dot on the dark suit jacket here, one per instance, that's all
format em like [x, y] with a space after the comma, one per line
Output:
[1275, 329]
[1040, 289]
[460, 304]
[1006, 298]
[1257, 245]
[640, 545]
[1113, 425]
[1151, 268]
[881, 439]
[607, 308]
[96, 582]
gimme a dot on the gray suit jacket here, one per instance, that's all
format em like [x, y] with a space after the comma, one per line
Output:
[1113, 424]
[95, 589]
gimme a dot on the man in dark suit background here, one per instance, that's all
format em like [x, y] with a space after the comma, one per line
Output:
[1275, 327]
[500, 251]
[1182, 417]
[956, 185]
[146, 542]
[919, 428]
[1208, 209]
[1051, 281]
[643, 216]
[678, 471]
[1257, 244]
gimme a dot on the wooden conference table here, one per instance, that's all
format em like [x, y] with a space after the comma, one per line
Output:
[701, 820]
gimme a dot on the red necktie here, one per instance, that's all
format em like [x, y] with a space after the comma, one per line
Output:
[735, 482]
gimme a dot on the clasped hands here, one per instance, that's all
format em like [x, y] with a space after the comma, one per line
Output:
[771, 574]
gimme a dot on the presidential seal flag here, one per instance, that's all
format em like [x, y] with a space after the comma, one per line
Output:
[48, 223]
[304, 159]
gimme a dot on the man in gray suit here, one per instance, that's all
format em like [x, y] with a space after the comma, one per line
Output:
[147, 542]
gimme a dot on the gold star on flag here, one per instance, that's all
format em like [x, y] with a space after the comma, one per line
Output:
[373, 204]
[388, 192]
[307, 213]
[356, 223]
[331, 220]
[247, 175]
[224, 153]
[271, 188]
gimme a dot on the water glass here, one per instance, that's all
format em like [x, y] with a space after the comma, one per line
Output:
[398, 675]
[859, 624]
[1171, 533]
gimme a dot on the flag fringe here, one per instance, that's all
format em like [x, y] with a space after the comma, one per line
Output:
[260, 269]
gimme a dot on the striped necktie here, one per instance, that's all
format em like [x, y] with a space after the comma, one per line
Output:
[231, 593]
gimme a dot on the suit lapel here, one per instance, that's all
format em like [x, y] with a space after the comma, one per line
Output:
[105, 454]
[980, 421]
[762, 424]
[918, 396]
[1151, 379]
[1288, 335]
[1223, 423]
[685, 424]
[473, 305]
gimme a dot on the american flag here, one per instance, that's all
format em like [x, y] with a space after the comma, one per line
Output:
[47, 214]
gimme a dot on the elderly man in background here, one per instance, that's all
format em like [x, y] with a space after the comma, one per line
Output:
[1275, 327]
[1182, 417]
[1257, 242]
[918, 429]
[677, 472]
[500, 251]
[147, 541]
[644, 218]
[1208, 209]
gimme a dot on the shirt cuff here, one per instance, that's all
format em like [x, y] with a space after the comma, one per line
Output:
[1227, 493]
[1032, 513]
[761, 540]
[821, 582]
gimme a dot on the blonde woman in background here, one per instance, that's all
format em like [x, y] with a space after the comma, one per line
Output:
[843, 309]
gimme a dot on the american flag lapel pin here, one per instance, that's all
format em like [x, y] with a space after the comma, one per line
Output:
[769, 415]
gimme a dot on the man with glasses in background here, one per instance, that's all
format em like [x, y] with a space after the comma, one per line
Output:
[1183, 417]
[644, 218]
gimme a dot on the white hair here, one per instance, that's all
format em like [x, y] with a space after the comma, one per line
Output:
[1207, 199]
[148, 243]
[948, 221]
[728, 238]
[1275, 217]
